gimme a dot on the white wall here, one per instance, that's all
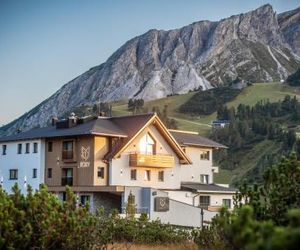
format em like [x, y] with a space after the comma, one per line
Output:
[192, 172]
[25, 163]
[179, 213]
[216, 199]
[120, 170]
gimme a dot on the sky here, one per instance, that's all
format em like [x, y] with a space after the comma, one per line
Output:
[45, 44]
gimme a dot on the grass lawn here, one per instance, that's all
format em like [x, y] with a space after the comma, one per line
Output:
[264, 91]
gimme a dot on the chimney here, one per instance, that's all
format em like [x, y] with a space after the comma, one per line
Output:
[72, 120]
[54, 120]
[102, 114]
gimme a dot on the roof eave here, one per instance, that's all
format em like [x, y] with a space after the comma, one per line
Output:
[204, 146]
[216, 192]
[109, 135]
[186, 160]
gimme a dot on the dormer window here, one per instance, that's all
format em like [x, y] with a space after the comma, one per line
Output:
[147, 144]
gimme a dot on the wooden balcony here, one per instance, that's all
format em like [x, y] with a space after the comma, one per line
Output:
[148, 160]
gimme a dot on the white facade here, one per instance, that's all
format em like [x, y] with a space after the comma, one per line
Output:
[25, 167]
[216, 198]
[200, 171]
[120, 169]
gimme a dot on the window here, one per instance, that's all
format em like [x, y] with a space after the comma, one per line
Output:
[67, 153]
[100, 172]
[204, 155]
[49, 173]
[161, 176]
[27, 146]
[227, 203]
[147, 175]
[34, 173]
[4, 147]
[204, 201]
[35, 147]
[84, 200]
[13, 174]
[133, 174]
[147, 144]
[50, 146]
[19, 148]
[204, 178]
[67, 177]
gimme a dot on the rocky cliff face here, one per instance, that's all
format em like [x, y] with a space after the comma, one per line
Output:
[256, 46]
[289, 24]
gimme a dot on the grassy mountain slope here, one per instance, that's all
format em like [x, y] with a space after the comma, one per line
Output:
[249, 96]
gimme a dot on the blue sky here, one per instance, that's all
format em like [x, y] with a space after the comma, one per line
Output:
[44, 44]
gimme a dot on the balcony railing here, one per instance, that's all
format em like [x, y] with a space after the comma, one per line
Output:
[67, 155]
[148, 160]
[67, 181]
[204, 205]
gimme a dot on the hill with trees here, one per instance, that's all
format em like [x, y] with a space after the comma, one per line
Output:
[251, 125]
[294, 79]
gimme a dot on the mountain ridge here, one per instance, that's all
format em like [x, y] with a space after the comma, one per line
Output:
[254, 46]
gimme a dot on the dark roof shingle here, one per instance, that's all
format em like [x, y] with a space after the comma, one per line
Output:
[198, 187]
[193, 139]
[100, 126]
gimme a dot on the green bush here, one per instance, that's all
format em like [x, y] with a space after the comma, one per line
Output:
[41, 221]
[265, 216]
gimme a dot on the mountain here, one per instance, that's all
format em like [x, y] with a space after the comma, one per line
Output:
[256, 46]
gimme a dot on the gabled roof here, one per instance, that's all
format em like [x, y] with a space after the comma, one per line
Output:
[100, 126]
[186, 138]
[134, 125]
[206, 188]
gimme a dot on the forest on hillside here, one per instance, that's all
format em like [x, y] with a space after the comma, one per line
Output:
[250, 125]
[207, 102]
